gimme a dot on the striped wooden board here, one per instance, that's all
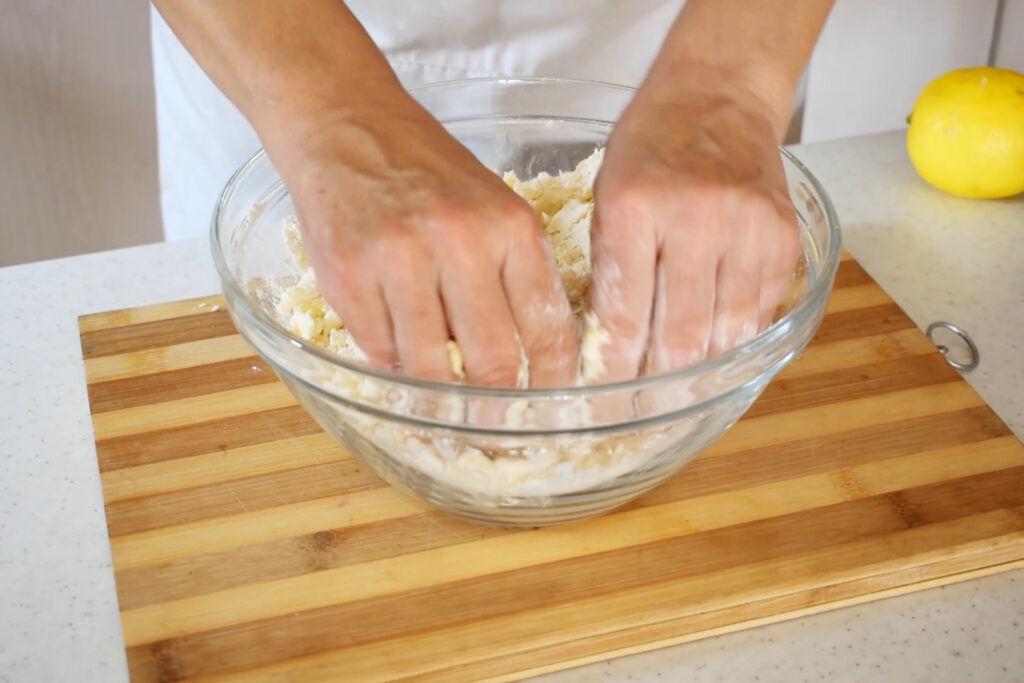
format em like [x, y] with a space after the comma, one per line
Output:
[248, 546]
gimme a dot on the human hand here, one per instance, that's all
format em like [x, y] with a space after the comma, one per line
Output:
[414, 242]
[694, 238]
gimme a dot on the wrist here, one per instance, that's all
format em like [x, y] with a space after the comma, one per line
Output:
[311, 99]
[758, 89]
[350, 114]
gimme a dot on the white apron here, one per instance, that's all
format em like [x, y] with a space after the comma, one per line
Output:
[203, 138]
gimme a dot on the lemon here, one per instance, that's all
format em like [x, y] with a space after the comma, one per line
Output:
[966, 133]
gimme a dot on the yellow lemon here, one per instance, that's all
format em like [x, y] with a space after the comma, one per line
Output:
[966, 133]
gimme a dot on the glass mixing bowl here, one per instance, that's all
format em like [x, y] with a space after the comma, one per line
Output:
[512, 457]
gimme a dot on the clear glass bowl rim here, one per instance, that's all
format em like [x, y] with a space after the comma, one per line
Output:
[774, 334]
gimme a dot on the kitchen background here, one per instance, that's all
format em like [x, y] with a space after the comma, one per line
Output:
[78, 133]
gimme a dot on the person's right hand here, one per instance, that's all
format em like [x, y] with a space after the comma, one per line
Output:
[414, 242]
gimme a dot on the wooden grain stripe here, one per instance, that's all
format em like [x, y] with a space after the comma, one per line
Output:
[132, 393]
[655, 615]
[218, 349]
[292, 486]
[851, 274]
[161, 450]
[165, 358]
[438, 602]
[197, 380]
[156, 334]
[856, 297]
[783, 394]
[178, 384]
[332, 548]
[358, 586]
[145, 314]
[207, 436]
[821, 358]
[211, 468]
[718, 471]
[622, 533]
[198, 538]
[861, 381]
[863, 322]
[173, 474]
[582, 639]
[292, 556]
[130, 422]
[206, 366]
[222, 499]
[815, 421]
[188, 411]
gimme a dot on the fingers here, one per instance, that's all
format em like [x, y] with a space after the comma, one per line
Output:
[623, 258]
[541, 313]
[773, 291]
[483, 326]
[779, 265]
[510, 317]
[684, 304]
[737, 299]
[359, 302]
[713, 295]
[420, 329]
[754, 272]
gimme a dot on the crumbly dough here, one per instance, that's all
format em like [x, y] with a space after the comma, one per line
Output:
[500, 467]
[565, 203]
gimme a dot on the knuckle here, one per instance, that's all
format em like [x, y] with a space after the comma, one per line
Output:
[628, 199]
[520, 225]
[448, 216]
[338, 277]
[625, 329]
[553, 351]
[493, 361]
[516, 211]
[395, 240]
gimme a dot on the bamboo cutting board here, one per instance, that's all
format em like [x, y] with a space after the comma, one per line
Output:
[247, 545]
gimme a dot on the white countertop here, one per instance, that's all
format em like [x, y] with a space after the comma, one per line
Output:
[938, 256]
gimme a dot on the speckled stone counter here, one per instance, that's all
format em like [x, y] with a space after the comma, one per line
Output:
[939, 257]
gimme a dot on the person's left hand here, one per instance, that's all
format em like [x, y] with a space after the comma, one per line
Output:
[694, 238]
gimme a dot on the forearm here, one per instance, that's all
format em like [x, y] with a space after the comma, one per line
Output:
[282, 59]
[757, 46]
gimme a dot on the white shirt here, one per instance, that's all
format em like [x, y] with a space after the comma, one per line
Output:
[203, 138]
